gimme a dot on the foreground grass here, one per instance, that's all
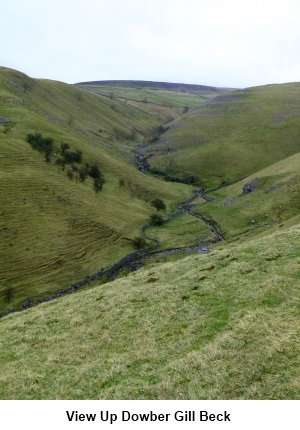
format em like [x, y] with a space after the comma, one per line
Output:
[219, 326]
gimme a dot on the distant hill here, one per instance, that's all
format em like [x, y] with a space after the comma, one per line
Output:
[156, 86]
[230, 136]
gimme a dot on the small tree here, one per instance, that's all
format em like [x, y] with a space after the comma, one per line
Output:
[78, 156]
[94, 172]
[35, 140]
[158, 204]
[156, 219]
[64, 147]
[73, 157]
[98, 184]
[83, 173]
[139, 243]
[48, 147]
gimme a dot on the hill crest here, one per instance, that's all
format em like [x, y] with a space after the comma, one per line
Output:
[170, 86]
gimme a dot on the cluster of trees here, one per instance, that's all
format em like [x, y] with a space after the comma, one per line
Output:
[98, 179]
[70, 160]
[70, 156]
[41, 144]
[157, 219]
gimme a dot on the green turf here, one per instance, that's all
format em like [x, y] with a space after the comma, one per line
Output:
[219, 326]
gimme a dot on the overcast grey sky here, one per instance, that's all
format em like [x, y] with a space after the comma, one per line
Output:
[235, 43]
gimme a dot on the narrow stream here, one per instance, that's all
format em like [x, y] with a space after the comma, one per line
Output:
[133, 259]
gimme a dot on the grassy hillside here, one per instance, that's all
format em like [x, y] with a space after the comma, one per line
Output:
[56, 230]
[219, 326]
[273, 202]
[152, 85]
[163, 98]
[231, 136]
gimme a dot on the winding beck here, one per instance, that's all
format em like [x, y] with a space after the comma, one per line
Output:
[133, 259]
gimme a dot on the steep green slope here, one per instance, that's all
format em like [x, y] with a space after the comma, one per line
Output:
[231, 136]
[55, 230]
[272, 201]
[219, 326]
